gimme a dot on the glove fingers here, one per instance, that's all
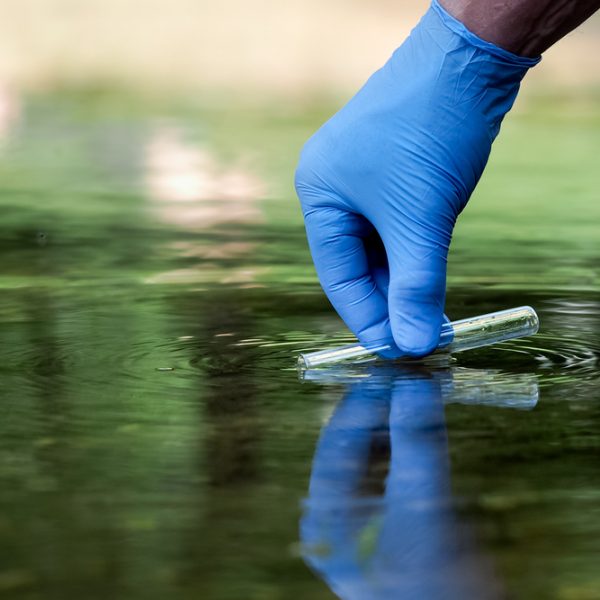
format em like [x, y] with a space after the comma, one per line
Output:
[417, 433]
[336, 238]
[378, 262]
[416, 298]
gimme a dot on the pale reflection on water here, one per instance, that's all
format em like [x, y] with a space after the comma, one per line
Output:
[190, 189]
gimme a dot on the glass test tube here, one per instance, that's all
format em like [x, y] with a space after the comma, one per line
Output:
[457, 336]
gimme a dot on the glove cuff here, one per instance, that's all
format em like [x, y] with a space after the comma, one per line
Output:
[459, 28]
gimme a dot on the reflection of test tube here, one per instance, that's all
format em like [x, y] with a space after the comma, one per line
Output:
[457, 336]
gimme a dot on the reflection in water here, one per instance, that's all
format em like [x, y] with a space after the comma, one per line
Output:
[378, 523]
[190, 190]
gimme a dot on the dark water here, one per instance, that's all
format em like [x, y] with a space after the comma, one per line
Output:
[155, 439]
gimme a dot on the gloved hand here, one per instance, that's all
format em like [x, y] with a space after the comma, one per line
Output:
[382, 183]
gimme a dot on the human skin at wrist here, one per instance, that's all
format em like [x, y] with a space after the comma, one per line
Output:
[523, 27]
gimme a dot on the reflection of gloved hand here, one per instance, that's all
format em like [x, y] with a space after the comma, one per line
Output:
[403, 542]
[382, 183]
[399, 543]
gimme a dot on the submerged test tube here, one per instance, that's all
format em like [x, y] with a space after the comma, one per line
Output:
[456, 336]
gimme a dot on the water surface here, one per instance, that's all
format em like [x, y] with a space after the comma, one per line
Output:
[155, 439]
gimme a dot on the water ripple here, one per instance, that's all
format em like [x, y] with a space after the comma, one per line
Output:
[178, 362]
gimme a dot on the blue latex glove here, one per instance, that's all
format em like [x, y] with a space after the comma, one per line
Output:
[382, 183]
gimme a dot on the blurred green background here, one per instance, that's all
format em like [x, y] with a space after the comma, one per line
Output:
[156, 287]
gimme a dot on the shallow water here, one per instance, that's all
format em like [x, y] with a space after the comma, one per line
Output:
[155, 438]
